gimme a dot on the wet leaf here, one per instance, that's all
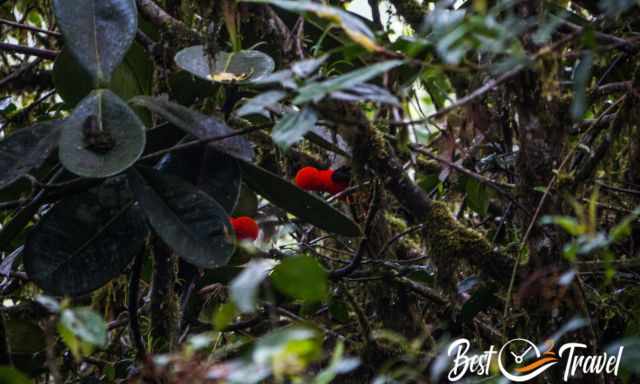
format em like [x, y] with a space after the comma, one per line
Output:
[243, 290]
[192, 223]
[630, 353]
[285, 78]
[304, 68]
[338, 310]
[581, 78]
[477, 196]
[97, 33]
[304, 205]
[366, 92]
[85, 241]
[247, 203]
[329, 140]
[337, 366]
[259, 104]
[199, 125]
[484, 298]
[236, 67]
[131, 78]
[188, 89]
[568, 223]
[26, 149]
[315, 91]
[215, 173]
[7, 265]
[82, 329]
[86, 325]
[272, 345]
[117, 126]
[224, 315]
[24, 335]
[302, 278]
[624, 229]
[293, 126]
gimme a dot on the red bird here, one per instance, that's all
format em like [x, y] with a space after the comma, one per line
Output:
[327, 180]
[308, 178]
[245, 228]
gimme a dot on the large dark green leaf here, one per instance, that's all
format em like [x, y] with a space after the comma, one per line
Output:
[188, 89]
[247, 204]
[186, 218]
[86, 240]
[117, 120]
[306, 206]
[26, 149]
[131, 78]
[301, 277]
[24, 336]
[293, 126]
[481, 300]
[214, 172]
[237, 67]
[97, 33]
[477, 196]
[199, 125]
[581, 78]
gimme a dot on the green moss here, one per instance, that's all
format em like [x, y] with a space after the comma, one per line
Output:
[447, 239]
[396, 223]
[428, 166]
[565, 180]
[376, 146]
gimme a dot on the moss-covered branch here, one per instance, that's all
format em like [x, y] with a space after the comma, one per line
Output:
[448, 241]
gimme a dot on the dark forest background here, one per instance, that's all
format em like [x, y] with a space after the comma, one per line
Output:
[487, 152]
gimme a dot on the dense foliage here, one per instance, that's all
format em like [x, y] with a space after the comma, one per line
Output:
[314, 191]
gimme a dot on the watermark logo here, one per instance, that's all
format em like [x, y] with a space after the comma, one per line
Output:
[520, 360]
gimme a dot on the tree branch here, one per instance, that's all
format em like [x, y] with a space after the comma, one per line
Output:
[160, 18]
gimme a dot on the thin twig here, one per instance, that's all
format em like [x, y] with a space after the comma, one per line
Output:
[634, 192]
[29, 28]
[360, 315]
[397, 237]
[134, 288]
[32, 51]
[201, 141]
[357, 259]
[18, 72]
